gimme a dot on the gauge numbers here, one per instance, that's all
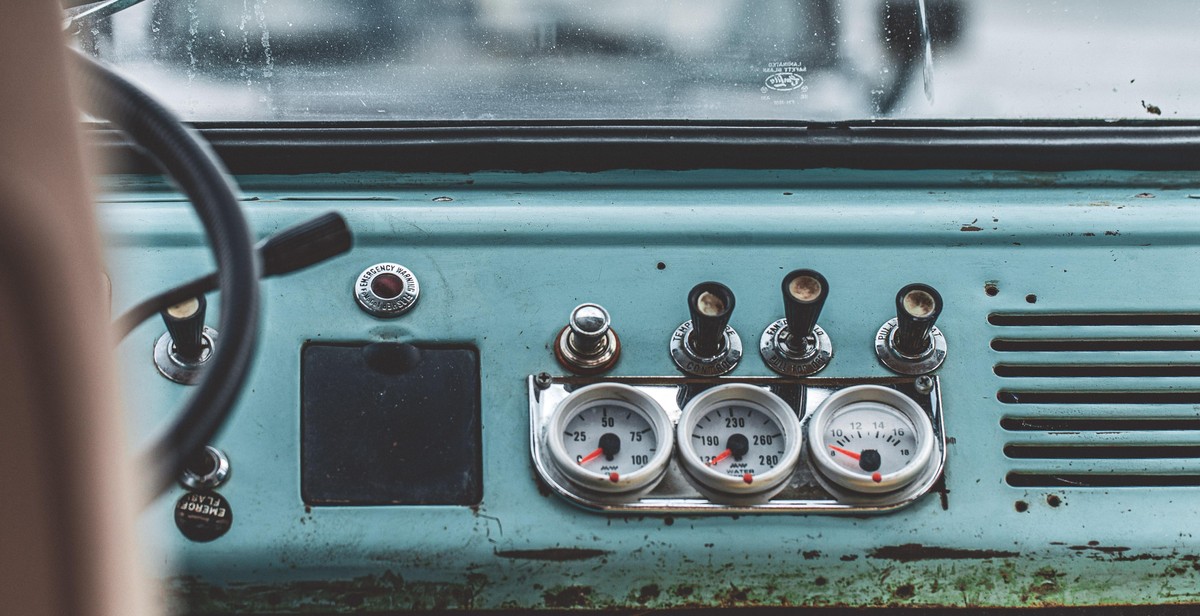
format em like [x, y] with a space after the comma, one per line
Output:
[871, 438]
[740, 441]
[610, 437]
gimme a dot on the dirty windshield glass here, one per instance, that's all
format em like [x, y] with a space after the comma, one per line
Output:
[817, 60]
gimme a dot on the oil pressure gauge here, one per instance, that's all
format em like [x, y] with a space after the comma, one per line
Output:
[870, 439]
[739, 440]
[610, 437]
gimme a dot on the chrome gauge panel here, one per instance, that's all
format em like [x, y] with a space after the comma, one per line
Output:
[764, 456]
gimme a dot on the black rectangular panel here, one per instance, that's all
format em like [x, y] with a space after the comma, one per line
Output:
[390, 424]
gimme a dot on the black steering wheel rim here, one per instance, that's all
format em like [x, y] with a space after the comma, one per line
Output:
[187, 160]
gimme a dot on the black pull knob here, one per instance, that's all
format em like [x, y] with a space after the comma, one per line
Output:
[917, 309]
[804, 293]
[711, 305]
[185, 324]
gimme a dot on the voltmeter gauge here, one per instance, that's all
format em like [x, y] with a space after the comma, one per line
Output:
[870, 439]
[739, 440]
[610, 437]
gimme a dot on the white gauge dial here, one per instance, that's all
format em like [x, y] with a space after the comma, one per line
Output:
[739, 439]
[610, 438]
[870, 439]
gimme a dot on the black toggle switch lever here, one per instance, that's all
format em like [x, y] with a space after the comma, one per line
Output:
[804, 293]
[911, 343]
[185, 326]
[180, 353]
[917, 309]
[706, 345]
[711, 305]
[795, 345]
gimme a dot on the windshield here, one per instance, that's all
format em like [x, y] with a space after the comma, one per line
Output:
[798, 60]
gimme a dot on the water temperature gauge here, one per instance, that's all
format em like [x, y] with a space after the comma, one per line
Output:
[739, 440]
[610, 438]
[870, 439]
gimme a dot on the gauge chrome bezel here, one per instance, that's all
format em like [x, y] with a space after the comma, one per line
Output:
[845, 400]
[747, 395]
[619, 395]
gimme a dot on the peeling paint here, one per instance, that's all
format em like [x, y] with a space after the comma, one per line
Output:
[910, 552]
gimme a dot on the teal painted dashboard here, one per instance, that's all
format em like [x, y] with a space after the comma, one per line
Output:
[1034, 509]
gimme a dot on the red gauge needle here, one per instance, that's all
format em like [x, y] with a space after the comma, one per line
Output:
[847, 452]
[591, 456]
[721, 456]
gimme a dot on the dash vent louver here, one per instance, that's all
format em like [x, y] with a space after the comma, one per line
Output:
[1099, 399]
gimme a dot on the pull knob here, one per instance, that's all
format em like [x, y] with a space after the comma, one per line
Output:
[180, 353]
[917, 309]
[911, 343]
[804, 293]
[711, 305]
[588, 344]
[795, 345]
[185, 325]
[706, 345]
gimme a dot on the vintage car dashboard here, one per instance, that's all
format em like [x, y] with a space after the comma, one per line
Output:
[522, 390]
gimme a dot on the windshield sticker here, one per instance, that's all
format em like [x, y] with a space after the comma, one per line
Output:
[783, 82]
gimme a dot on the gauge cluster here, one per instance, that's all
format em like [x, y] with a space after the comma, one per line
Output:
[676, 445]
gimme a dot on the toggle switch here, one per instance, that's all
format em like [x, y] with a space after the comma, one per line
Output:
[911, 343]
[588, 344]
[795, 345]
[706, 345]
[180, 353]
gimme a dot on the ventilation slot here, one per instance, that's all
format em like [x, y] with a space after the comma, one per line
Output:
[1099, 400]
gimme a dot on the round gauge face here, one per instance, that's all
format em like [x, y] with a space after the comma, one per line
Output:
[738, 440]
[870, 439]
[610, 436]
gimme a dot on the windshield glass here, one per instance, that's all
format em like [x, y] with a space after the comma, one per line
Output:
[812, 60]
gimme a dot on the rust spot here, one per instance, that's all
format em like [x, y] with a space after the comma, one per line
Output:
[733, 596]
[1144, 195]
[648, 593]
[820, 581]
[904, 591]
[669, 521]
[307, 509]
[811, 555]
[554, 554]
[990, 289]
[1112, 233]
[1021, 506]
[1089, 234]
[971, 228]
[683, 591]
[1100, 548]
[1053, 500]
[570, 596]
[849, 557]
[910, 552]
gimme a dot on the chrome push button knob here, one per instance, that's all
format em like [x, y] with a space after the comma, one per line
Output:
[795, 345]
[910, 343]
[588, 344]
[706, 345]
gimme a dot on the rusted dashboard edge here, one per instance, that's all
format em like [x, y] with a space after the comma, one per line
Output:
[249, 148]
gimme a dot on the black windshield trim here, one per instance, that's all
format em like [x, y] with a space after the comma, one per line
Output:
[682, 145]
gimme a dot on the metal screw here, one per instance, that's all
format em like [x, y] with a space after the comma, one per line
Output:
[924, 384]
[543, 380]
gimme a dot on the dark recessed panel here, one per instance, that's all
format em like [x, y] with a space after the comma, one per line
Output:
[390, 424]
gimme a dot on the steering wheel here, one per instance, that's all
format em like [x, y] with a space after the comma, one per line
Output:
[200, 175]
